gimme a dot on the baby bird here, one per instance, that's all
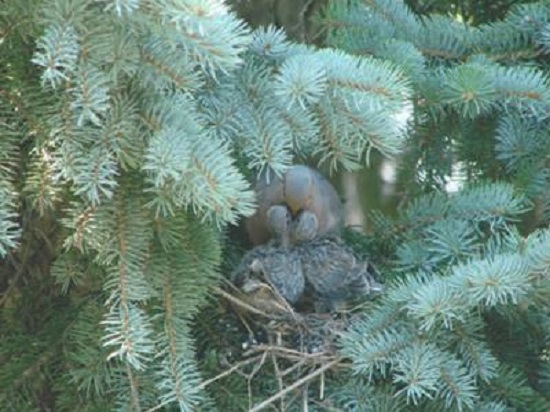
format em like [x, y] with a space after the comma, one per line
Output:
[283, 271]
[279, 222]
[304, 227]
[275, 264]
[333, 274]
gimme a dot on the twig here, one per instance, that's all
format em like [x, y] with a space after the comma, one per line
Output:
[258, 366]
[228, 371]
[293, 367]
[262, 357]
[322, 387]
[214, 379]
[240, 303]
[279, 378]
[251, 375]
[290, 353]
[305, 397]
[295, 385]
[282, 301]
[302, 20]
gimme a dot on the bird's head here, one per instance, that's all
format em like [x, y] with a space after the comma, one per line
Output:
[279, 219]
[305, 227]
[298, 189]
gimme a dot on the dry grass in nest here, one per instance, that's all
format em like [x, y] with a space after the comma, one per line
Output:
[290, 336]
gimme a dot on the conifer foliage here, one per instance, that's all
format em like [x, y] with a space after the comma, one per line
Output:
[130, 131]
[463, 325]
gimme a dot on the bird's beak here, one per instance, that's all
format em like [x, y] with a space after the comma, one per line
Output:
[297, 206]
[294, 208]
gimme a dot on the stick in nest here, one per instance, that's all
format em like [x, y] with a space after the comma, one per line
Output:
[295, 385]
[229, 371]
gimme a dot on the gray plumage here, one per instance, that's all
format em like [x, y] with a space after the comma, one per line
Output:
[304, 228]
[279, 221]
[279, 267]
[333, 274]
[300, 188]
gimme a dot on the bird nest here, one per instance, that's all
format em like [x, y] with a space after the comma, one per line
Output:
[299, 299]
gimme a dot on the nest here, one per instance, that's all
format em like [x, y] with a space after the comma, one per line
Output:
[299, 319]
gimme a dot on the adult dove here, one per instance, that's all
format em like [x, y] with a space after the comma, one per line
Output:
[300, 188]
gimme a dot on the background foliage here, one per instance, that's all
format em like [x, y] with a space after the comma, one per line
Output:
[130, 133]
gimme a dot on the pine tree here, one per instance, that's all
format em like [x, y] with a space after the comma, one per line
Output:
[130, 133]
[464, 323]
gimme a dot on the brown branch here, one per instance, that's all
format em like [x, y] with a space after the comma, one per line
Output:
[251, 375]
[240, 303]
[322, 387]
[279, 377]
[295, 385]
[292, 368]
[290, 353]
[305, 398]
[229, 371]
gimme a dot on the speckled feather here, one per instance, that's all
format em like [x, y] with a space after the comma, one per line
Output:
[333, 273]
[325, 269]
[281, 268]
[304, 228]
